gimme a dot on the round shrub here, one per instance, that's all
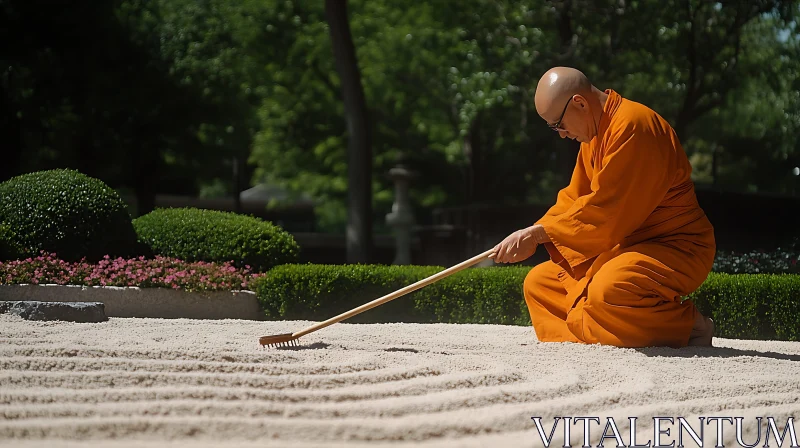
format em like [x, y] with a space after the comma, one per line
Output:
[67, 213]
[9, 247]
[192, 234]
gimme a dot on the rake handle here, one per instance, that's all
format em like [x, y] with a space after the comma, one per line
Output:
[400, 292]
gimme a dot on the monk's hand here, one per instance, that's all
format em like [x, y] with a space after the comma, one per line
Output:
[516, 247]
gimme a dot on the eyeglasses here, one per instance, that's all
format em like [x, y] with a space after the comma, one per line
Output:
[557, 125]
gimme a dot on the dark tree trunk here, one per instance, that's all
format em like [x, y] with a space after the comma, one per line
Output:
[145, 182]
[237, 185]
[566, 32]
[359, 158]
[11, 134]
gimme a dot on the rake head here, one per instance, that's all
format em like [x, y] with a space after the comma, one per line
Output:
[278, 340]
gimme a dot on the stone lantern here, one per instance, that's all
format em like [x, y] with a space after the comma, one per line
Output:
[401, 219]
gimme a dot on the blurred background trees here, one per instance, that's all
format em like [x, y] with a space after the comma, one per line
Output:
[169, 96]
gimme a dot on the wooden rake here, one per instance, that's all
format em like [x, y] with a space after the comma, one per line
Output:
[290, 339]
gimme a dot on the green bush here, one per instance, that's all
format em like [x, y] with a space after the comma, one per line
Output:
[758, 306]
[318, 292]
[9, 247]
[752, 306]
[67, 213]
[192, 234]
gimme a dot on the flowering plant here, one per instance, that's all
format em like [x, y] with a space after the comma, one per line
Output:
[783, 260]
[159, 272]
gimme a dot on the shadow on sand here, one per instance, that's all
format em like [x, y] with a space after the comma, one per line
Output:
[713, 352]
[314, 346]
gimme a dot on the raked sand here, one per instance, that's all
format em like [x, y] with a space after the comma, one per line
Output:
[192, 383]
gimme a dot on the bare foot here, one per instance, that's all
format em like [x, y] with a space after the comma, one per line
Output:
[702, 332]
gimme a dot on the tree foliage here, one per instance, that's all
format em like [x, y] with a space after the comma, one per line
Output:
[163, 94]
[450, 90]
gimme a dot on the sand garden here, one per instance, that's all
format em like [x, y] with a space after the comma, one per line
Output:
[180, 382]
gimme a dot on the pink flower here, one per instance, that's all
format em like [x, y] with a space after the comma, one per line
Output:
[158, 272]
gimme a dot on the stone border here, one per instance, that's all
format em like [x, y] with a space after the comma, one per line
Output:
[83, 312]
[145, 302]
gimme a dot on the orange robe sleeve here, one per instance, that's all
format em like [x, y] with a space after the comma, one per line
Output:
[631, 176]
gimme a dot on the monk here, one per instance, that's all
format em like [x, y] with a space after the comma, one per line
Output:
[627, 240]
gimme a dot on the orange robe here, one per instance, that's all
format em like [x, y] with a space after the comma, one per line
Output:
[628, 239]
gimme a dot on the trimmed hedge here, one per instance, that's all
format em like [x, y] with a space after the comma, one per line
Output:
[742, 306]
[752, 306]
[192, 234]
[317, 292]
[65, 212]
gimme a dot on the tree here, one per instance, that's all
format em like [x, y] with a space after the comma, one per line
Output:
[163, 95]
[426, 72]
[148, 95]
[682, 57]
[359, 154]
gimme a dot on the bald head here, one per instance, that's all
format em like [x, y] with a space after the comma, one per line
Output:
[556, 86]
[566, 87]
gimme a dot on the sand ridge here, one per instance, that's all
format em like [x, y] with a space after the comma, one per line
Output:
[180, 382]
